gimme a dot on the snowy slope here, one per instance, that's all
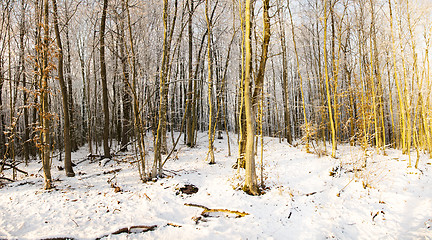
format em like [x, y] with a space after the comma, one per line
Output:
[302, 200]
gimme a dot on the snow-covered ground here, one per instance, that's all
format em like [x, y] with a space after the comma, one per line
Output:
[302, 200]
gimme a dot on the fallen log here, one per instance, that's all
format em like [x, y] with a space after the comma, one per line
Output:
[132, 229]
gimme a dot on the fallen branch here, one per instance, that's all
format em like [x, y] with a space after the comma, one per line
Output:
[132, 229]
[209, 210]
[91, 157]
[112, 171]
[85, 159]
[171, 172]
[102, 173]
[123, 148]
[310, 194]
[14, 167]
[174, 225]
[59, 238]
[8, 179]
[340, 191]
[25, 183]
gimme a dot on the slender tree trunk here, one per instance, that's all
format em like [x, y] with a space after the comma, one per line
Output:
[157, 164]
[24, 85]
[399, 90]
[2, 122]
[68, 80]
[126, 94]
[67, 141]
[46, 122]
[12, 100]
[106, 147]
[210, 84]
[86, 97]
[306, 125]
[241, 113]
[285, 94]
[333, 131]
[138, 123]
[190, 92]
[251, 185]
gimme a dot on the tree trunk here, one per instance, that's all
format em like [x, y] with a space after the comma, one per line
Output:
[285, 94]
[190, 92]
[106, 148]
[210, 85]
[46, 123]
[67, 141]
[332, 125]
[306, 126]
[250, 186]
[157, 164]
[139, 125]
[68, 80]
[24, 79]
[126, 97]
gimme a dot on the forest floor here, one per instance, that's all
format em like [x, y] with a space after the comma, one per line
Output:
[307, 197]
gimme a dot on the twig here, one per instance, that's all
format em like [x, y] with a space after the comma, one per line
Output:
[74, 222]
[338, 194]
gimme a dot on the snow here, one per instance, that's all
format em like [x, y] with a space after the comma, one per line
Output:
[302, 200]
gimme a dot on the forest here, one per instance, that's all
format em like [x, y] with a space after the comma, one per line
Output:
[251, 98]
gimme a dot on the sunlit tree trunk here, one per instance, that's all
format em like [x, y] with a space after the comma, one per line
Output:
[399, 90]
[250, 179]
[210, 84]
[332, 127]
